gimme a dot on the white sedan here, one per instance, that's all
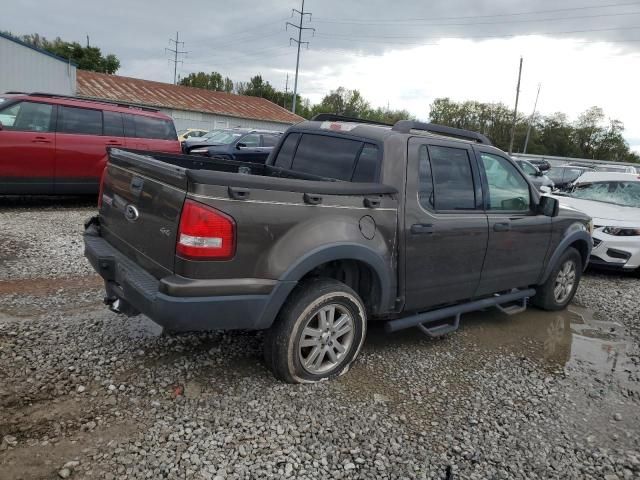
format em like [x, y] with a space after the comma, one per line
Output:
[613, 201]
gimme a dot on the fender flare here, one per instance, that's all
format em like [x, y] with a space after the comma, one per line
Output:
[576, 235]
[319, 256]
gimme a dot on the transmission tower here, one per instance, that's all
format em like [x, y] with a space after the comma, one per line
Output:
[299, 42]
[176, 51]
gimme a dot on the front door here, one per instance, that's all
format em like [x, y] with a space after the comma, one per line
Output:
[27, 148]
[248, 149]
[445, 224]
[518, 236]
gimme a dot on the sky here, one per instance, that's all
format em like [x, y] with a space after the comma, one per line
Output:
[399, 53]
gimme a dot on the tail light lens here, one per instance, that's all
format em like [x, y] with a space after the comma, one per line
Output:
[101, 189]
[205, 233]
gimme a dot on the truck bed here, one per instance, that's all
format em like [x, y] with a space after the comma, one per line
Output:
[281, 218]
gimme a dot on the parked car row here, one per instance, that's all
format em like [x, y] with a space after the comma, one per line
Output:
[52, 144]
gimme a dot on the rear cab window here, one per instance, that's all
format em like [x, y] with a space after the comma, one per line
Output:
[330, 156]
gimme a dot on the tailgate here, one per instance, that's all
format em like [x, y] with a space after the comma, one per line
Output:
[141, 203]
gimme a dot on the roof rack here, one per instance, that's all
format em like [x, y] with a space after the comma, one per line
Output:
[15, 93]
[334, 117]
[405, 126]
[97, 100]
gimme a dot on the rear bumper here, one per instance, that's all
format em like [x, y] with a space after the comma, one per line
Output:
[140, 292]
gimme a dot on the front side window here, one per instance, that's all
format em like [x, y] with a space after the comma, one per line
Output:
[252, 140]
[82, 121]
[27, 117]
[508, 190]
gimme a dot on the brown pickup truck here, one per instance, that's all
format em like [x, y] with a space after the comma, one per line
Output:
[412, 224]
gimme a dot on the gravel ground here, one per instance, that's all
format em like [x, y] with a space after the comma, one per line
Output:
[88, 394]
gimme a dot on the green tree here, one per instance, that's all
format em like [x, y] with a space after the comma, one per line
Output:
[87, 58]
[209, 81]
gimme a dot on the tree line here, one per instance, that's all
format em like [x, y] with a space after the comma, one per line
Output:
[87, 58]
[592, 135]
[346, 102]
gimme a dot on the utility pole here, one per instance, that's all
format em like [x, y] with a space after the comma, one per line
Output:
[87, 41]
[299, 42]
[176, 51]
[286, 91]
[535, 105]
[515, 110]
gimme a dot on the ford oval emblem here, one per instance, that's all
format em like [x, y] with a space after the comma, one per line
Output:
[131, 213]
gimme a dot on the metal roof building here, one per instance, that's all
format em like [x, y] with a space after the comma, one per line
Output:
[26, 68]
[189, 107]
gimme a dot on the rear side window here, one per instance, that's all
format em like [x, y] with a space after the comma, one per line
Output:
[331, 157]
[155, 128]
[113, 124]
[445, 179]
[83, 121]
[269, 140]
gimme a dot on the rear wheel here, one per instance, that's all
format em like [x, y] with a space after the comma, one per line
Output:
[318, 333]
[561, 286]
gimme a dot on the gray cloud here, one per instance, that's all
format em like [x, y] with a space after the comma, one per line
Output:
[242, 37]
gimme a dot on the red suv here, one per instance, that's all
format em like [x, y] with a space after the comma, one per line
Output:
[52, 144]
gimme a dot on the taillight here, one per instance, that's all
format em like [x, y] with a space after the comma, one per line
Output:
[205, 233]
[101, 189]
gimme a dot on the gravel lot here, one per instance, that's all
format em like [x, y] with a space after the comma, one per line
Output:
[87, 394]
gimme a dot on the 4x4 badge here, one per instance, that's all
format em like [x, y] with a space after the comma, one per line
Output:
[131, 213]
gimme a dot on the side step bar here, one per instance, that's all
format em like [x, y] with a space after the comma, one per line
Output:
[427, 322]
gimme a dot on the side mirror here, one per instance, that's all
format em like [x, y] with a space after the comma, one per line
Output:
[1, 126]
[539, 173]
[549, 206]
[240, 145]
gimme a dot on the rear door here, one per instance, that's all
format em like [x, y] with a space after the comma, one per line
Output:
[445, 224]
[518, 236]
[80, 150]
[27, 148]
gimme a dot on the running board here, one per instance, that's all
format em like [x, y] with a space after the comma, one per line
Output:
[427, 321]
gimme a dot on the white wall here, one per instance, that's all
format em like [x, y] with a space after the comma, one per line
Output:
[187, 119]
[23, 69]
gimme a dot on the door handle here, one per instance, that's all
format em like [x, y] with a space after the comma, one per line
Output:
[312, 199]
[501, 227]
[114, 142]
[370, 202]
[41, 140]
[422, 228]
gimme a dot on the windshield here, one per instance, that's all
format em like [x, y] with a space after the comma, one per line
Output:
[528, 168]
[222, 137]
[619, 193]
[611, 169]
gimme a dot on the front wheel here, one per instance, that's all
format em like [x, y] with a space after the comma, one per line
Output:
[561, 286]
[318, 333]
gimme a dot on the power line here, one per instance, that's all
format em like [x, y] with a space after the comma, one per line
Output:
[499, 22]
[176, 51]
[535, 12]
[462, 37]
[299, 42]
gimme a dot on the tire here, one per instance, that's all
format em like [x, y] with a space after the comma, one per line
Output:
[558, 291]
[330, 319]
